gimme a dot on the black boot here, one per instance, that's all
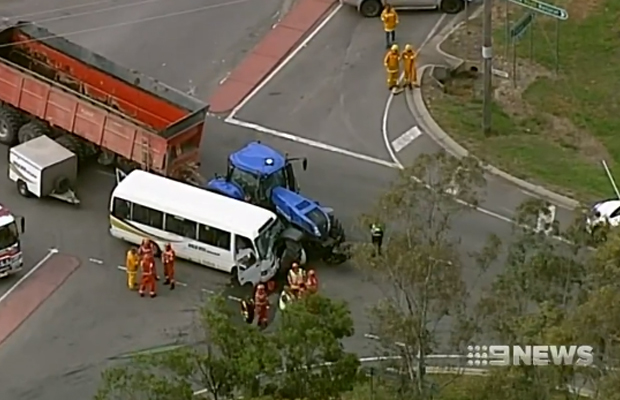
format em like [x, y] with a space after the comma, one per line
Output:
[167, 282]
[153, 295]
[172, 285]
[141, 294]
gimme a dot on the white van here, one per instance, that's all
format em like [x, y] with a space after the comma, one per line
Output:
[204, 227]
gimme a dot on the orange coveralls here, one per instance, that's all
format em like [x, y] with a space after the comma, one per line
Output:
[147, 248]
[147, 281]
[168, 258]
[312, 283]
[261, 307]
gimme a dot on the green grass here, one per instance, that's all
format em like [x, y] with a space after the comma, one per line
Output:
[586, 93]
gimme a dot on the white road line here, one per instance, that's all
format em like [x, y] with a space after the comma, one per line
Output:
[406, 139]
[121, 268]
[34, 269]
[309, 142]
[95, 260]
[285, 62]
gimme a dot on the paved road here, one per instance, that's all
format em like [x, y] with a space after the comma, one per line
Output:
[334, 90]
[177, 41]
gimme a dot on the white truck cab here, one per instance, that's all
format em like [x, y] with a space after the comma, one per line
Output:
[11, 227]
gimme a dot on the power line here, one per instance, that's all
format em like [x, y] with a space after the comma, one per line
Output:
[126, 23]
[85, 13]
[73, 7]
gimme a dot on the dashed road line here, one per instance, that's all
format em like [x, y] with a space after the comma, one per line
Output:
[406, 139]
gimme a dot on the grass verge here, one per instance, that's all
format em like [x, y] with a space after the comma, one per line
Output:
[551, 129]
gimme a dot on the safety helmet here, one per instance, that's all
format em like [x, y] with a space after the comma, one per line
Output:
[394, 47]
[168, 246]
[311, 273]
[260, 287]
[145, 242]
[408, 47]
[295, 265]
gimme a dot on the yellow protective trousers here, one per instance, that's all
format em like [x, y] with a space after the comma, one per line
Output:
[132, 280]
[392, 79]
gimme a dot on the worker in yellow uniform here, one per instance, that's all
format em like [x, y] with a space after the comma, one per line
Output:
[391, 61]
[390, 22]
[409, 65]
[131, 264]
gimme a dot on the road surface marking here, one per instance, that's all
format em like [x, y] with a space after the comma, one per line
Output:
[309, 142]
[95, 260]
[406, 139]
[121, 268]
[34, 269]
[284, 62]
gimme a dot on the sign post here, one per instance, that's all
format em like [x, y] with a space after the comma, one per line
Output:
[540, 7]
[516, 32]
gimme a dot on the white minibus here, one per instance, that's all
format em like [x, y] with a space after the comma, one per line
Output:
[204, 227]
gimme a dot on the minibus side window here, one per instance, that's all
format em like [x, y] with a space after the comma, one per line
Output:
[214, 237]
[147, 216]
[121, 209]
[180, 226]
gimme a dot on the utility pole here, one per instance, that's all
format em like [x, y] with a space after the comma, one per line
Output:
[487, 56]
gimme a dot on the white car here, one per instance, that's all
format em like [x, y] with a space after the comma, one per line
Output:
[373, 8]
[604, 212]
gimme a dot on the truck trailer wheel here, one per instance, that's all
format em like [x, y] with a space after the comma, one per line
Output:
[68, 143]
[31, 130]
[10, 121]
[22, 188]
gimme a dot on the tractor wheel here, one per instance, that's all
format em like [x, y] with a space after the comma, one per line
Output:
[10, 122]
[337, 231]
[31, 130]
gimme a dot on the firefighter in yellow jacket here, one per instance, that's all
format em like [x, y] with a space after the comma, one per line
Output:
[391, 61]
[131, 264]
[409, 67]
[390, 22]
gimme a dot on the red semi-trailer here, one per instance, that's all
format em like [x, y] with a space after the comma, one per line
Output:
[87, 103]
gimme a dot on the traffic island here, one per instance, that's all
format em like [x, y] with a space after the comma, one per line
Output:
[551, 126]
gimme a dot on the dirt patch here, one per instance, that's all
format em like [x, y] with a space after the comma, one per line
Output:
[541, 128]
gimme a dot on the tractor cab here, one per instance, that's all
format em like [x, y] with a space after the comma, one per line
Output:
[254, 172]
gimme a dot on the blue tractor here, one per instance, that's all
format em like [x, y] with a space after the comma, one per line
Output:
[265, 177]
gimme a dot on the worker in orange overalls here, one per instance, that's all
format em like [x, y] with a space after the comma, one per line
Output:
[147, 281]
[391, 61]
[132, 262]
[168, 258]
[261, 306]
[312, 283]
[147, 248]
[296, 279]
[390, 22]
[409, 67]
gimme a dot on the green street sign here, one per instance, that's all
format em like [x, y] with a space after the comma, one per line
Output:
[544, 8]
[518, 29]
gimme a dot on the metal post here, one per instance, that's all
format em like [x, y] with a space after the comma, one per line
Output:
[532, 41]
[487, 56]
[507, 25]
[514, 62]
[611, 178]
[557, 46]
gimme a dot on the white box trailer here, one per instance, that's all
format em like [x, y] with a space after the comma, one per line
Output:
[42, 167]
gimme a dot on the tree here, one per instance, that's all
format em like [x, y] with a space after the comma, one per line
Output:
[229, 357]
[421, 266]
[301, 356]
[309, 337]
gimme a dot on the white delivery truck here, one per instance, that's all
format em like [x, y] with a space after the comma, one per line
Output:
[42, 167]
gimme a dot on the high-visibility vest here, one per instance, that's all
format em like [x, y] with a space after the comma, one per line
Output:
[375, 230]
[296, 277]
